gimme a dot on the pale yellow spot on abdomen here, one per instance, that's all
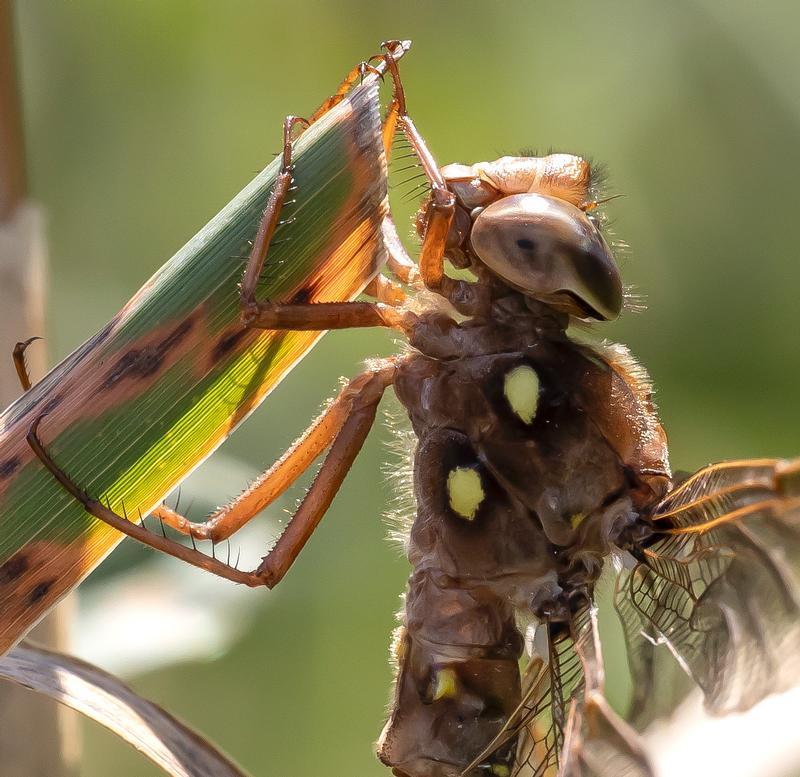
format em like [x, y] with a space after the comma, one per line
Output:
[465, 491]
[521, 389]
[445, 684]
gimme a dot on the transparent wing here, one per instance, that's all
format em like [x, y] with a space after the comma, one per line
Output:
[556, 697]
[563, 726]
[659, 684]
[538, 722]
[612, 751]
[719, 588]
[597, 742]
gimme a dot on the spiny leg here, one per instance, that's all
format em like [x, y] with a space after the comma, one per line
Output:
[137, 531]
[315, 316]
[307, 316]
[386, 291]
[345, 448]
[400, 264]
[344, 426]
[468, 298]
[269, 219]
[285, 471]
[19, 362]
[389, 128]
[442, 200]
[346, 422]
[319, 316]
[301, 316]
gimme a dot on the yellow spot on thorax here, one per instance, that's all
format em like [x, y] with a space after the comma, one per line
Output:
[445, 684]
[501, 770]
[465, 491]
[521, 389]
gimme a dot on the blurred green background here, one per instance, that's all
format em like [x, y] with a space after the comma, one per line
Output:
[144, 118]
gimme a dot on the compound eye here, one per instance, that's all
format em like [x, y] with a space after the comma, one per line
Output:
[549, 250]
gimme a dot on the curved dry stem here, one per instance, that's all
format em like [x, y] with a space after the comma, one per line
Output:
[167, 742]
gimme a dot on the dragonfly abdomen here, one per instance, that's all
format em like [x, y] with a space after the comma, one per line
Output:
[458, 677]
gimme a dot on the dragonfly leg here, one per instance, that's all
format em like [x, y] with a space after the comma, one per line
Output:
[329, 315]
[386, 291]
[346, 445]
[344, 315]
[137, 531]
[270, 217]
[442, 201]
[463, 295]
[400, 264]
[301, 315]
[343, 427]
[19, 362]
[318, 316]
[348, 82]
[389, 128]
[367, 386]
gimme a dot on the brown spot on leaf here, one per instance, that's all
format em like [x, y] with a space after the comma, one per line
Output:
[12, 568]
[40, 590]
[227, 343]
[51, 404]
[307, 293]
[302, 296]
[147, 360]
[22, 601]
[9, 466]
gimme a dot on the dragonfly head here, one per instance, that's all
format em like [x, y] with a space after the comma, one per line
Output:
[528, 219]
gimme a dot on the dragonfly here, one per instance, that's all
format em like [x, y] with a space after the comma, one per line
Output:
[539, 463]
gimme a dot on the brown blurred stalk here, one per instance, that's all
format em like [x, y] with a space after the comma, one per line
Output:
[38, 738]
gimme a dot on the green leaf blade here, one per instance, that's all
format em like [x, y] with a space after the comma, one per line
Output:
[142, 403]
